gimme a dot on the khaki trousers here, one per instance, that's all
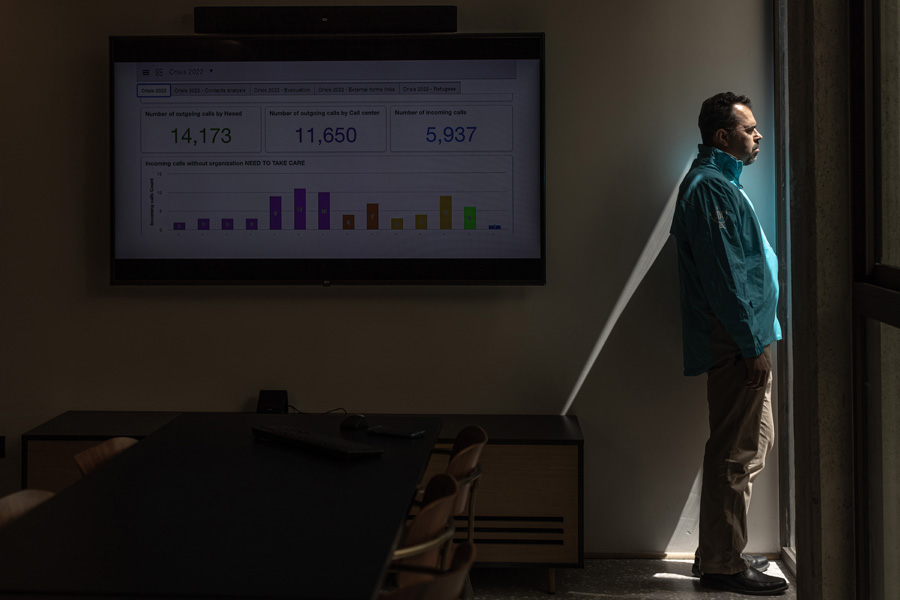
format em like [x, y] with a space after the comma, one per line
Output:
[741, 434]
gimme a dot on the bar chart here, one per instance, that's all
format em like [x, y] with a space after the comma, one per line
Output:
[443, 207]
[440, 195]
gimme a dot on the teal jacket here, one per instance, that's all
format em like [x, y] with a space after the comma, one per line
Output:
[728, 270]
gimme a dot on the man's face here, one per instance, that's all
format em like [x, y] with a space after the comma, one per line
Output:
[743, 142]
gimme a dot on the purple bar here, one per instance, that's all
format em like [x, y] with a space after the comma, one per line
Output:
[252, 224]
[274, 212]
[228, 224]
[299, 209]
[324, 210]
[203, 224]
[178, 226]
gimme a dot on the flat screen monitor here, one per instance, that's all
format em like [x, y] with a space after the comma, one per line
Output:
[328, 159]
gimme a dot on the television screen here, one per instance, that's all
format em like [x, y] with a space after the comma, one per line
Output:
[328, 159]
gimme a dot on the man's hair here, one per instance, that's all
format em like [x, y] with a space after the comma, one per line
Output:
[717, 113]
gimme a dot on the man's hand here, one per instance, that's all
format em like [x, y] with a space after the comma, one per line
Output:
[757, 371]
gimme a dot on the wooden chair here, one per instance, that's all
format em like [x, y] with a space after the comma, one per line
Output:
[446, 585]
[92, 458]
[428, 535]
[465, 467]
[18, 503]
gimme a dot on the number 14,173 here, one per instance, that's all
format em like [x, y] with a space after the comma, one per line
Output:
[211, 135]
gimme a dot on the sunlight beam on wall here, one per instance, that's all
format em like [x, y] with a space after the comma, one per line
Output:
[684, 538]
[652, 248]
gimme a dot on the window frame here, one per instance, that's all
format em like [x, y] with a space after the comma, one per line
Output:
[875, 291]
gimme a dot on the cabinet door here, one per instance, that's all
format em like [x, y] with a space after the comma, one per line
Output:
[527, 504]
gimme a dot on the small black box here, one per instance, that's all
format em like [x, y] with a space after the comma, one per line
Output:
[272, 401]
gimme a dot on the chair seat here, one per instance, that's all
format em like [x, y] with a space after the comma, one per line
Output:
[441, 585]
[18, 503]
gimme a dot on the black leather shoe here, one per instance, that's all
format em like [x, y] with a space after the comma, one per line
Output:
[750, 582]
[757, 561]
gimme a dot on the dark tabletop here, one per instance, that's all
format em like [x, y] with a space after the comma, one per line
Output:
[202, 509]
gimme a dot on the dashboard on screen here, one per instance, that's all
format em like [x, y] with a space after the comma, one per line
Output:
[328, 159]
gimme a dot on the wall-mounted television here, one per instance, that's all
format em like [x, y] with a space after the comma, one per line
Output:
[328, 159]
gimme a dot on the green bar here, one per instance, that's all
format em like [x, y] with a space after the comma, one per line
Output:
[469, 217]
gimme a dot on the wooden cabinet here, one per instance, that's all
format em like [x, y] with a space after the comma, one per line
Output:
[529, 506]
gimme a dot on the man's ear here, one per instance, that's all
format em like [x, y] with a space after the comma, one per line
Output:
[721, 137]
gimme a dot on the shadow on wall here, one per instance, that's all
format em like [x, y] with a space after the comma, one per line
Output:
[644, 425]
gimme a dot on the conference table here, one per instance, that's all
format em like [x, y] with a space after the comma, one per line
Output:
[203, 509]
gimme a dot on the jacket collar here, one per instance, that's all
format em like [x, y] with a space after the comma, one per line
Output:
[725, 162]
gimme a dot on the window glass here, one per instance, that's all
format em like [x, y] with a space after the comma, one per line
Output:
[884, 460]
[887, 213]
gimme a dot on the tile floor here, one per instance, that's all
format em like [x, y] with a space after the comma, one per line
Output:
[629, 579]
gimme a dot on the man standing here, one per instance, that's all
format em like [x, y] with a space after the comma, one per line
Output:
[729, 293]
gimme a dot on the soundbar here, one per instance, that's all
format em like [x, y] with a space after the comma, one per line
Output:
[268, 20]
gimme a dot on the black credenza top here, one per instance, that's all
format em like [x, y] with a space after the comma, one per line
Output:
[501, 429]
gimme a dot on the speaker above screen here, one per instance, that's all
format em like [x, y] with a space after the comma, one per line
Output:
[261, 20]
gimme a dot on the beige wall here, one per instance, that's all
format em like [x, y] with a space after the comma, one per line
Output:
[624, 84]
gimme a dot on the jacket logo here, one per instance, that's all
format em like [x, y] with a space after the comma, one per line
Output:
[720, 217]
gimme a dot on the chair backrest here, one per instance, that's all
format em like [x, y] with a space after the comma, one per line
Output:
[92, 458]
[18, 503]
[430, 531]
[448, 585]
[464, 462]
[469, 435]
